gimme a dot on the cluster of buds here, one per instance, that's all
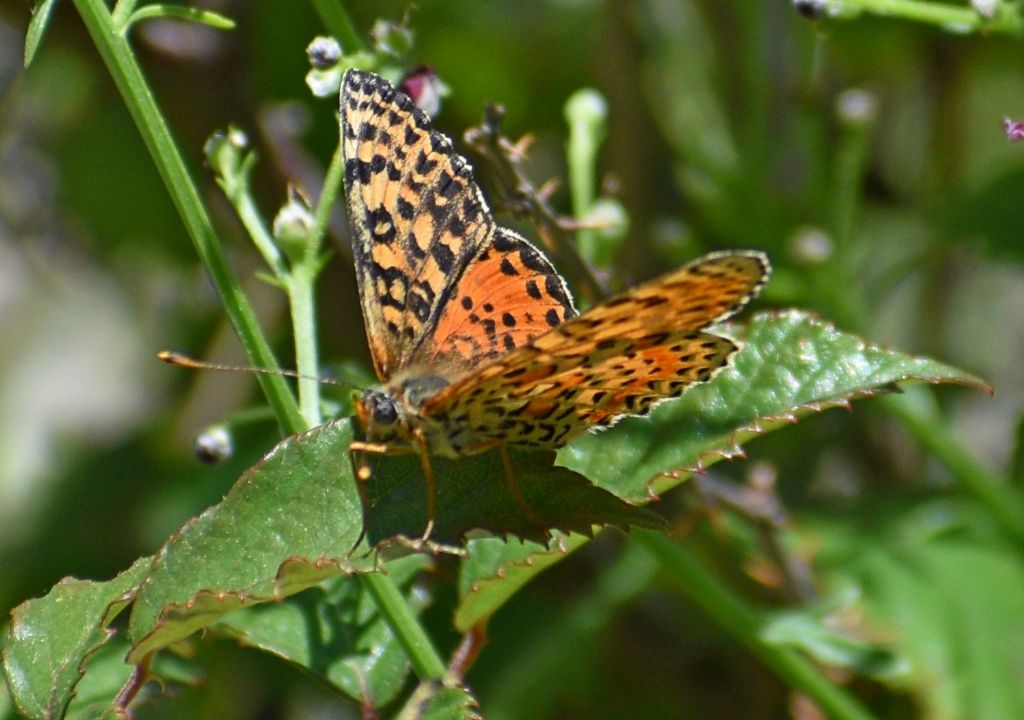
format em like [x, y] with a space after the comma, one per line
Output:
[391, 42]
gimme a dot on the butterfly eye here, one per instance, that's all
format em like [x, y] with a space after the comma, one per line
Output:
[382, 408]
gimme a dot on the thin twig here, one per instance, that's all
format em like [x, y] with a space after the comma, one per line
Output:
[761, 506]
[524, 198]
[467, 652]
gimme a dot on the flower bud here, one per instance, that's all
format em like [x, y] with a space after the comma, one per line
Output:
[425, 88]
[214, 445]
[293, 223]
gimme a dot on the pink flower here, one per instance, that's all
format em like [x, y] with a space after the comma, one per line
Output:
[1014, 129]
[425, 88]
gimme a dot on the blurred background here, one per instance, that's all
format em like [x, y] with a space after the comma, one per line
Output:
[865, 154]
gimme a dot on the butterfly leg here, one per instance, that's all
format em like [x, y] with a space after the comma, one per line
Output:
[515, 490]
[428, 476]
[364, 472]
[357, 449]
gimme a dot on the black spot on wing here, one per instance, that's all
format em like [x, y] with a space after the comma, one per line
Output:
[406, 210]
[443, 256]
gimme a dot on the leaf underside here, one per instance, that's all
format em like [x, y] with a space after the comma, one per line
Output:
[477, 493]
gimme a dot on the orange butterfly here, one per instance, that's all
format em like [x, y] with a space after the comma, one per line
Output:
[473, 333]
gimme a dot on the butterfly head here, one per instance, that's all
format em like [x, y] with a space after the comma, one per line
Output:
[379, 414]
[388, 413]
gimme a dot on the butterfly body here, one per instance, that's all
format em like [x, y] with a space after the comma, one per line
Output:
[473, 332]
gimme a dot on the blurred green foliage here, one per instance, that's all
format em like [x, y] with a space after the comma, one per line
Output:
[864, 154]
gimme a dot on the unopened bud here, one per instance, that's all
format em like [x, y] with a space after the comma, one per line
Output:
[293, 223]
[391, 38]
[323, 52]
[214, 445]
[810, 246]
[856, 106]
[811, 9]
[225, 150]
[425, 88]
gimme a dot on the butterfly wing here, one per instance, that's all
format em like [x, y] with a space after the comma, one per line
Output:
[618, 358]
[417, 215]
[508, 296]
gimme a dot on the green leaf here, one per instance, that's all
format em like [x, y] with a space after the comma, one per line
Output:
[290, 522]
[41, 13]
[50, 639]
[105, 674]
[335, 633]
[496, 569]
[181, 12]
[433, 701]
[811, 630]
[947, 594]
[476, 493]
[791, 364]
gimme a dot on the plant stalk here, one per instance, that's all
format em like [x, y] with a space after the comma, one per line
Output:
[138, 97]
[1002, 501]
[745, 624]
[120, 61]
[425, 660]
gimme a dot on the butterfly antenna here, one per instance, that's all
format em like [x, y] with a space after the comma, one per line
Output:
[184, 361]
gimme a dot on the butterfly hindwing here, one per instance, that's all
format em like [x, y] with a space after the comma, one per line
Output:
[417, 215]
[618, 358]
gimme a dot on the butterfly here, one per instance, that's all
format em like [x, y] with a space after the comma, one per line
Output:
[473, 333]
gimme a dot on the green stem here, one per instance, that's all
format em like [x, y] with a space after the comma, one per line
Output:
[425, 660]
[335, 19]
[916, 410]
[236, 188]
[122, 11]
[332, 184]
[957, 18]
[586, 113]
[850, 169]
[745, 624]
[301, 284]
[120, 61]
[181, 12]
[856, 110]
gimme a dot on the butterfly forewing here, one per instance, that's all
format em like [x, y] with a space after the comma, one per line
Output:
[417, 215]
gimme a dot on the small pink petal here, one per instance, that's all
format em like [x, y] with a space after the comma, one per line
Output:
[425, 88]
[1014, 129]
